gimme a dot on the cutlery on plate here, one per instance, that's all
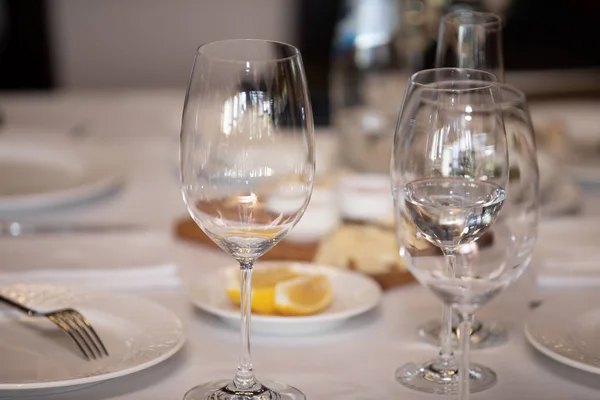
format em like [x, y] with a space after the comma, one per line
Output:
[16, 228]
[71, 322]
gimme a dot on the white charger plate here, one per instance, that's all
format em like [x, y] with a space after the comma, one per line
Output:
[565, 328]
[36, 174]
[39, 358]
[353, 294]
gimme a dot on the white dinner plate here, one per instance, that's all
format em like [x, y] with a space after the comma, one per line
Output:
[39, 358]
[353, 294]
[565, 328]
[38, 174]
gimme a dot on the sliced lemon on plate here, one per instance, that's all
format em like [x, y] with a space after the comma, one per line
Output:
[305, 295]
[264, 282]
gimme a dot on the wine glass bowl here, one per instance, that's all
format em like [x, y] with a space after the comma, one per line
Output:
[454, 194]
[520, 207]
[247, 169]
[493, 266]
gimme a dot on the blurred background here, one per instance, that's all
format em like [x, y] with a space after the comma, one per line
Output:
[49, 45]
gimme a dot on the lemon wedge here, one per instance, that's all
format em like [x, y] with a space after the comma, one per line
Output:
[305, 295]
[264, 282]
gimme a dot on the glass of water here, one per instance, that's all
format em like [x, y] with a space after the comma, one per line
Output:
[450, 176]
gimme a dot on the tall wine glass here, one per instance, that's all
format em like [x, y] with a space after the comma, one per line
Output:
[247, 169]
[450, 180]
[440, 375]
[469, 39]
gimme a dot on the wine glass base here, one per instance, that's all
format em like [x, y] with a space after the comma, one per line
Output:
[224, 390]
[426, 378]
[484, 335]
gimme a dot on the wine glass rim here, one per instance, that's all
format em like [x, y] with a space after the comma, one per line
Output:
[490, 20]
[203, 48]
[519, 95]
[480, 83]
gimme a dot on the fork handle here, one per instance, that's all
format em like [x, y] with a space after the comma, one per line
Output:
[18, 306]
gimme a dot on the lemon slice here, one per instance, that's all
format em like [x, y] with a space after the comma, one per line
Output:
[263, 287]
[306, 295]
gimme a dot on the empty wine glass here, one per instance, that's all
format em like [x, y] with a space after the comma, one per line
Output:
[247, 169]
[450, 181]
[468, 39]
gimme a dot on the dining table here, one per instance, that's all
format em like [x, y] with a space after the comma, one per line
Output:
[139, 130]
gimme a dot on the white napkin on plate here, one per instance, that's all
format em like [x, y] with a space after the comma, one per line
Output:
[570, 253]
[129, 278]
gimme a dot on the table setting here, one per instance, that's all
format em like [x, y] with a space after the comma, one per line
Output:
[218, 245]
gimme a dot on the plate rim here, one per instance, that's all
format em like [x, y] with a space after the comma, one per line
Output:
[288, 320]
[110, 375]
[110, 176]
[560, 358]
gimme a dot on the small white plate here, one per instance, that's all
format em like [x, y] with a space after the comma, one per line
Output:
[43, 174]
[38, 358]
[353, 294]
[565, 328]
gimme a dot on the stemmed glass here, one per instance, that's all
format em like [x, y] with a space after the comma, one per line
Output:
[468, 39]
[450, 180]
[247, 169]
[440, 375]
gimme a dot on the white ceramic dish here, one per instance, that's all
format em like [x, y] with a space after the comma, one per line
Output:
[39, 359]
[565, 328]
[321, 217]
[365, 197]
[42, 174]
[354, 294]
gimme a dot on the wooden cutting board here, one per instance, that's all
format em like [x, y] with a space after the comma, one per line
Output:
[186, 229]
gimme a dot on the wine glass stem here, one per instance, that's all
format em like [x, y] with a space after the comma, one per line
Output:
[464, 375]
[446, 353]
[244, 377]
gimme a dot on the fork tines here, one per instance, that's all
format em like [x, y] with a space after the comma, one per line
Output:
[80, 331]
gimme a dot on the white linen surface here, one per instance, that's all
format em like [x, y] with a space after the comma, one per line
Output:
[569, 250]
[354, 362]
[114, 261]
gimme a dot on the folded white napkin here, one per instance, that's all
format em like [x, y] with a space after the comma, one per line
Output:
[569, 251]
[130, 278]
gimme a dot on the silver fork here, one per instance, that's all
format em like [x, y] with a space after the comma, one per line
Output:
[71, 322]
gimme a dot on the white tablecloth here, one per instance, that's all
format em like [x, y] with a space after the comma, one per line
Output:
[355, 362]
